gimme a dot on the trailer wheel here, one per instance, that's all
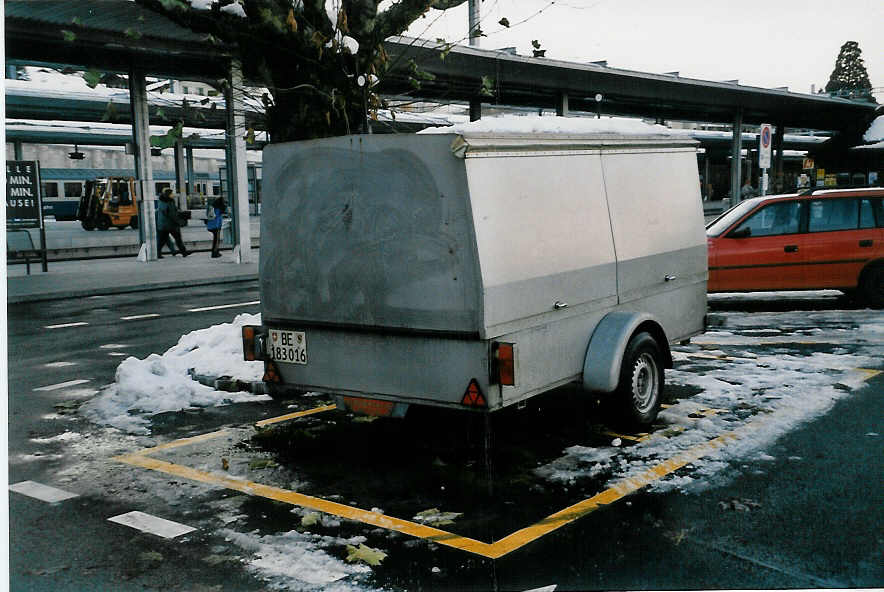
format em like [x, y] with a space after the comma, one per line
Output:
[134, 222]
[641, 382]
[104, 222]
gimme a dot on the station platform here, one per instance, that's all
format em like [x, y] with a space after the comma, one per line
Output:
[91, 277]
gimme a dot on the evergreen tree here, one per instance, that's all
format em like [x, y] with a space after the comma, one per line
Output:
[850, 78]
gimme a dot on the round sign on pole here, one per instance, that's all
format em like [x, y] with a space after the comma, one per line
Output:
[764, 146]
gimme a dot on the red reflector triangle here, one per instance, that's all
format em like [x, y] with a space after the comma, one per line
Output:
[473, 395]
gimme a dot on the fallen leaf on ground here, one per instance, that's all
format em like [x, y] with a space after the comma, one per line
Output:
[436, 518]
[365, 554]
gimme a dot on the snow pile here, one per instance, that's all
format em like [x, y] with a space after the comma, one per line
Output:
[875, 133]
[296, 561]
[162, 383]
[234, 8]
[533, 124]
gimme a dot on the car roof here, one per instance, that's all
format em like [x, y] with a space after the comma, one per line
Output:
[817, 193]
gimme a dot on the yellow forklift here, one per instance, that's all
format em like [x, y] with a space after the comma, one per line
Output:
[108, 202]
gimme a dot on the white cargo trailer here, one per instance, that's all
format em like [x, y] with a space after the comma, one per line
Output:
[477, 269]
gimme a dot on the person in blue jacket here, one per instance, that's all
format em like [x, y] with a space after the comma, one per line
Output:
[213, 224]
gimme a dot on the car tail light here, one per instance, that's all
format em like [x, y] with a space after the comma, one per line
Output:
[503, 363]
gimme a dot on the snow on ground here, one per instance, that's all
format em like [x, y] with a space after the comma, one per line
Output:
[297, 561]
[758, 395]
[533, 124]
[161, 383]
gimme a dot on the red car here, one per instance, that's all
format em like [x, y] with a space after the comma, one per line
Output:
[818, 239]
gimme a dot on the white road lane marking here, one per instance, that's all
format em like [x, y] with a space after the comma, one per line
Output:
[63, 325]
[220, 306]
[61, 385]
[112, 346]
[152, 524]
[42, 492]
[141, 316]
[59, 364]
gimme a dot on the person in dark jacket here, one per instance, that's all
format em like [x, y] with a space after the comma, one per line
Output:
[213, 224]
[175, 231]
[164, 224]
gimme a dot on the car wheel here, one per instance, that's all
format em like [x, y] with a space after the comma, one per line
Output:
[134, 222]
[641, 382]
[873, 286]
[103, 223]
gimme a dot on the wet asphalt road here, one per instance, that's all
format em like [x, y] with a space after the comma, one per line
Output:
[811, 517]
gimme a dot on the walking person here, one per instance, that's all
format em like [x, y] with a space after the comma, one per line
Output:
[175, 229]
[165, 221]
[214, 219]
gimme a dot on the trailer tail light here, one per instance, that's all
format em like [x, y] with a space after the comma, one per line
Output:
[248, 343]
[254, 343]
[473, 396]
[503, 364]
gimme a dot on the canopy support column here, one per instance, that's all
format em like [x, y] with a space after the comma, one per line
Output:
[147, 224]
[236, 165]
[779, 180]
[562, 105]
[736, 157]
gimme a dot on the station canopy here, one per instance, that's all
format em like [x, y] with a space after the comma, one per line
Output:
[115, 35]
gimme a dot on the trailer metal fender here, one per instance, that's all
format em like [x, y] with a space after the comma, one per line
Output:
[604, 355]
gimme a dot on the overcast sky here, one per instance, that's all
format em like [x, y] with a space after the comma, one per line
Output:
[766, 43]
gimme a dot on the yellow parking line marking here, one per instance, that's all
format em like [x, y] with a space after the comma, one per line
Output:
[272, 420]
[314, 503]
[494, 550]
[869, 372]
[636, 438]
[181, 442]
[620, 490]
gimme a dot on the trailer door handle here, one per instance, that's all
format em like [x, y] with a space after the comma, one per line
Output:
[866, 243]
[791, 248]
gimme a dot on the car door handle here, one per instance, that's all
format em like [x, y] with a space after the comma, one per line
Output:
[866, 243]
[791, 248]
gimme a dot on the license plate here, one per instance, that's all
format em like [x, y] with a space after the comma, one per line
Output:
[287, 346]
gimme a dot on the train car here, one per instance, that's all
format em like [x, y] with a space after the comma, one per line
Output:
[63, 188]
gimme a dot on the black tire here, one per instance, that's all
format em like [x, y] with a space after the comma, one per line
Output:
[640, 389]
[104, 222]
[134, 222]
[88, 225]
[872, 287]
